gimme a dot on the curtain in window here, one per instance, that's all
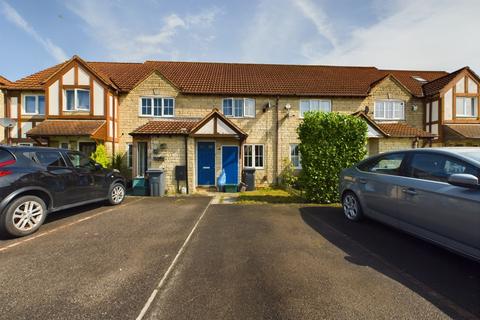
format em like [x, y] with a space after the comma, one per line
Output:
[70, 97]
[238, 108]
[30, 102]
[249, 107]
[41, 104]
[83, 99]
[295, 155]
[157, 106]
[228, 107]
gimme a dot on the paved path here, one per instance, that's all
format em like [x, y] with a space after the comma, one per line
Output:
[228, 262]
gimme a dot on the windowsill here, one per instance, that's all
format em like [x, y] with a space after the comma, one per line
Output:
[256, 168]
[243, 117]
[389, 119]
[33, 114]
[77, 110]
[466, 117]
[152, 116]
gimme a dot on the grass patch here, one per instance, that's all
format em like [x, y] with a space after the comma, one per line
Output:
[270, 195]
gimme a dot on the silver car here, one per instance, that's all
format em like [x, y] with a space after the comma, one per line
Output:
[431, 193]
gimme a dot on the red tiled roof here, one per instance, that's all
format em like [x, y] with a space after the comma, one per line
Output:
[66, 128]
[166, 127]
[246, 79]
[4, 81]
[466, 131]
[405, 77]
[435, 86]
[403, 130]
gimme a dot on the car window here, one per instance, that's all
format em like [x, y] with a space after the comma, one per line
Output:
[438, 167]
[50, 158]
[388, 164]
[79, 160]
[5, 157]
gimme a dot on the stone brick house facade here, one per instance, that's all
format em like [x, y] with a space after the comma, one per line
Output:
[211, 117]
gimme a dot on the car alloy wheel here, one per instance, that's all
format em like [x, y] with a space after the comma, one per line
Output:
[28, 215]
[118, 193]
[351, 207]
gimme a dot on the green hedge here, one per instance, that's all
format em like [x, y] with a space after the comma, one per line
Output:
[329, 142]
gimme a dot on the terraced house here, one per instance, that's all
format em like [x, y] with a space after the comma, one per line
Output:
[209, 117]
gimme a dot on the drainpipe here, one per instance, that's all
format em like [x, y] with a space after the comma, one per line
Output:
[277, 128]
[186, 163]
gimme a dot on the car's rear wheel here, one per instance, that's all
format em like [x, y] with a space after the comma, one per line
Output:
[116, 194]
[23, 216]
[351, 206]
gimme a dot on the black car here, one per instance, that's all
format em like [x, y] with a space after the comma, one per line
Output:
[35, 181]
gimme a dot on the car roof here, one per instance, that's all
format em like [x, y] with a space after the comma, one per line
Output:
[26, 148]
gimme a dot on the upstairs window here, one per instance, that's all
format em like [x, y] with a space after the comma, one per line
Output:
[389, 110]
[239, 107]
[157, 107]
[314, 105]
[77, 100]
[34, 105]
[467, 107]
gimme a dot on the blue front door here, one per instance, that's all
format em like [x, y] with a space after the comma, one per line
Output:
[206, 163]
[230, 163]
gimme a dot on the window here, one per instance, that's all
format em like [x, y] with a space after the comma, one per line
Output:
[466, 106]
[34, 104]
[64, 145]
[387, 164]
[77, 100]
[253, 155]
[81, 161]
[389, 110]
[314, 105]
[295, 157]
[437, 167]
[157, 107]
[129, 155]
[50, 158]
[239, 107]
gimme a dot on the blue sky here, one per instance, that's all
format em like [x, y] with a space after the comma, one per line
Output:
[412, 34]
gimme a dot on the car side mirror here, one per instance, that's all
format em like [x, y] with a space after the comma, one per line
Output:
[464, 180]
[98, 166]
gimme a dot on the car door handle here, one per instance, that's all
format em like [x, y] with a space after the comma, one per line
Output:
[410, 191]
[362, 181]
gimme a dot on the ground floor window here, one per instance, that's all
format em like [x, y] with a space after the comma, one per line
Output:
[141, 158]
[253, 155]
[129, 155]
[64, 145]
[87, 148]
[295, 157]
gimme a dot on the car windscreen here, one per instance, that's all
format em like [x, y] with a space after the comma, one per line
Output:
[475, 155]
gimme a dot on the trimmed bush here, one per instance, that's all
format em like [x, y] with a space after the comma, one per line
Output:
[100, 156]
[329, 142]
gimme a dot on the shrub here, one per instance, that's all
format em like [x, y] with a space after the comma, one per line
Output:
[329, 143]
[100, 156]
[288, 178]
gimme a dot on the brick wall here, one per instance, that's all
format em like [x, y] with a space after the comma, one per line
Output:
[392, 144]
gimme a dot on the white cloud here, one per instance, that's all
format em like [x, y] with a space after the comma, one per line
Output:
[430, 34]
[319, 18]
[132, 40]
[14, 17]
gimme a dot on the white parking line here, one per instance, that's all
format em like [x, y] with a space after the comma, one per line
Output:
[172, 265]
[64, 226]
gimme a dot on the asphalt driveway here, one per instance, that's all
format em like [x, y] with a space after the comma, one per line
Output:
[238, 262]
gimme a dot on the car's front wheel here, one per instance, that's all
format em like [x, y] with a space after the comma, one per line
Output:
[23, 216]
[351, 206]
[116, 194]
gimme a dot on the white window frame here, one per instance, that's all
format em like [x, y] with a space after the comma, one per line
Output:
[465, 115]
[37, 96]
[292, 146]
[254, 155]
[75, 100]
[384, 116]
[244, 113]
[310, 102]
[162, 115]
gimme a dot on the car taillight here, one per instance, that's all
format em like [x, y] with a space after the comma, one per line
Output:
[5, 173]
